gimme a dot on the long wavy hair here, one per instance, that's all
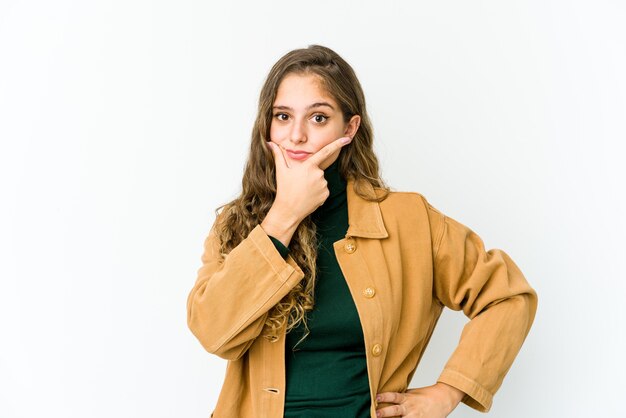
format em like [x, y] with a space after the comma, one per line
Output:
[356, 161]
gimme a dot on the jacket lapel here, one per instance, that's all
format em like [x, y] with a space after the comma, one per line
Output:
[364, 217]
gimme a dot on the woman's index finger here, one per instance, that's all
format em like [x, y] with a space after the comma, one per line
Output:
[326, 151]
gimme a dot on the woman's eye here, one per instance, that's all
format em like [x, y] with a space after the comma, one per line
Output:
[322, 120]
[317, 118]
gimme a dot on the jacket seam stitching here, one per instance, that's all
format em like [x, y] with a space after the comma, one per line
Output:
[440, 237]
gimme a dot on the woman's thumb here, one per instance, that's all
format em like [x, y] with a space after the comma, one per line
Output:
[279, 158]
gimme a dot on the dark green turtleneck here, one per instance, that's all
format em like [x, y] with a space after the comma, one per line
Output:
[326, 373]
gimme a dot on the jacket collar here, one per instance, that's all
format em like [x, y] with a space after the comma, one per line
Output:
[364, 217]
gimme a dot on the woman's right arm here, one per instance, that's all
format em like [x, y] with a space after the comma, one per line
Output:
[228, 305]
[230, 301]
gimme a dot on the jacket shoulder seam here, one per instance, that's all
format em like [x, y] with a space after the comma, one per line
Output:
[432, 210]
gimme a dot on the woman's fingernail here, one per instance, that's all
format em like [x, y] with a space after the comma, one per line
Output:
[345, 140]
[378, 398]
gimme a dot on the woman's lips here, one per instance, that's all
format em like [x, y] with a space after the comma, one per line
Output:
[298, 155]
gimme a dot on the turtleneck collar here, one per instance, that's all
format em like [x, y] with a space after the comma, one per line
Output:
[336, 187]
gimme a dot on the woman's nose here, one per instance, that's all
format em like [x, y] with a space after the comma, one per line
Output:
[298, 133]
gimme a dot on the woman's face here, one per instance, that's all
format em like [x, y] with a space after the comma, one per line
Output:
[306, 118]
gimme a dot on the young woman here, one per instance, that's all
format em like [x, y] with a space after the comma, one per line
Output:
[321, 286]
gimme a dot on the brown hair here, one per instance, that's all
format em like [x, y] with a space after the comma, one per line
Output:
[356, 161]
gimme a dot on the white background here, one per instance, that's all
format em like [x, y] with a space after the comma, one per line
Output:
[123, 124]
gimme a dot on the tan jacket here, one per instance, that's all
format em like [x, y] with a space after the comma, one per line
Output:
[403, 261]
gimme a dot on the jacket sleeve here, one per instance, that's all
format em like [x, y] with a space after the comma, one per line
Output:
[229, 303]
[282, 249]
[494, 294]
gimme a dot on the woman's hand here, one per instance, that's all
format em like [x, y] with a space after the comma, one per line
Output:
[300, 189]
[436, 401]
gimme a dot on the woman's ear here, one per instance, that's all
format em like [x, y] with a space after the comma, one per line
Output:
[353, 126]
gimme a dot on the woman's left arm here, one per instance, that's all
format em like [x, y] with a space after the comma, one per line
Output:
[492, 291]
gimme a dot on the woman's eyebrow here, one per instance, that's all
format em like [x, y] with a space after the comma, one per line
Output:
[318, 104]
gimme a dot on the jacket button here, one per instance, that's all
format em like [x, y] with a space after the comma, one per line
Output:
[369, 292]
[350, 247]
[377, 349]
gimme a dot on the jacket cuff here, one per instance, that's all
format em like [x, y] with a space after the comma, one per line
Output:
[476, 397]
[282, 249]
